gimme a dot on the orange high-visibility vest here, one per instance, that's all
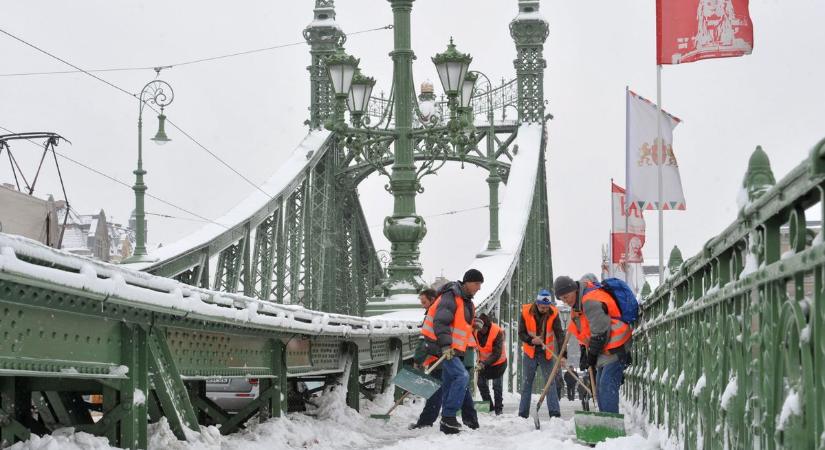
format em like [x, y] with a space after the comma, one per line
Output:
[460, 330]
[486, 350]
[620, 332]
[579, 327]
[530, 324]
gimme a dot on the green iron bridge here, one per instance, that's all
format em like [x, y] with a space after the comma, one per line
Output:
[288, 287]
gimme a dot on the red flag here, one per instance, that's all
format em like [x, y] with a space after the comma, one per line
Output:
[690, 30]
[628, 232]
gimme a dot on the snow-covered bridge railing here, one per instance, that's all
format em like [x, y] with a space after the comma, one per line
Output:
[730, 352]
[72, 326]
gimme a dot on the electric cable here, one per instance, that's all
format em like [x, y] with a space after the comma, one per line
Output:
[182, 63]
[177, 127]
[122, 183]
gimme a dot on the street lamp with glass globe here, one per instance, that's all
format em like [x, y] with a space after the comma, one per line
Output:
[156, 93]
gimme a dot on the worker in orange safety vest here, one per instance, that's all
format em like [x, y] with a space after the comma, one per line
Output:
[608, 338]
[492, 360]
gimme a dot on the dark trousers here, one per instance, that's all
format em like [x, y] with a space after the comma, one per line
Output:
[495, 373]
[433, 406]
[570, 383]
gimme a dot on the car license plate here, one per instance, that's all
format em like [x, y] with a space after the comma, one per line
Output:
[217, 380]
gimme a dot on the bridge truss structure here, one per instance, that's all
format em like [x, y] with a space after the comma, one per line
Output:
[276, 289]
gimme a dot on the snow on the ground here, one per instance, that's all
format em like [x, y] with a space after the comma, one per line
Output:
[332, 425]
[63, 439]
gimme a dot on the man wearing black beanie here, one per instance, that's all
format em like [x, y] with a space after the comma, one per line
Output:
[449, 332]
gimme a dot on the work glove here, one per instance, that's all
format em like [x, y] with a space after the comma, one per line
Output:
[479, 366]
[591, 359]
[447, 353]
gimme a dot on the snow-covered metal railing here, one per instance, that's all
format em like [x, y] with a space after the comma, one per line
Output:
[29, 262]
[73, 326]
[730, 350]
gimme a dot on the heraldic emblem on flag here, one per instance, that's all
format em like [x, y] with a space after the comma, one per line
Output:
[691, 30]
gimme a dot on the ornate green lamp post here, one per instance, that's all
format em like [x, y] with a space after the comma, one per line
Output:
[158, 93]
[404, 228]
[494, 179]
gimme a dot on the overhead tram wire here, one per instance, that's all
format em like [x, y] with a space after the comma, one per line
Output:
[445, 213]
[111, 178]
[177, 127]
[179, 64]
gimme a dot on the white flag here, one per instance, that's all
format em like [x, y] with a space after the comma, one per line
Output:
[643, 157]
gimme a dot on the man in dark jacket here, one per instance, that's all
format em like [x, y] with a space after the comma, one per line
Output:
[450, 334]
[492, 360]
[539, 330]
[432, 406]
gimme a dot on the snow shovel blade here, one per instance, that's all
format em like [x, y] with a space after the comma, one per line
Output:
[481, 405]
[536, 420]
[594, 427]
[416, 382]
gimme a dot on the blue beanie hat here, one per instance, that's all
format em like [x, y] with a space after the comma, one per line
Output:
[544, 297]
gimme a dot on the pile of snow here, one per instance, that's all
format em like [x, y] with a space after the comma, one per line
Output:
[730, 392]
[63, 439]
[805, 334]
[332, 425]
[139, 398]
[791, 407]
[751, 265]
[700, 385]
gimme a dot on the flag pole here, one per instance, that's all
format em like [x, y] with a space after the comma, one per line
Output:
[662, 152]
[612, 230]
[626, 172]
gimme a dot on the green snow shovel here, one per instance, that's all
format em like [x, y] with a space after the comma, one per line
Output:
[594, 427]
[549, 382]
[414, 382]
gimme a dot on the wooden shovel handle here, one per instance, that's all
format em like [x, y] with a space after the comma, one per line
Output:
[553, 372]
[593, 384]
[398, 402]
[578, 380]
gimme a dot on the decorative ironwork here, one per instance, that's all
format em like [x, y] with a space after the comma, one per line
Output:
[755, 294]
[324, 37]
[530, 31]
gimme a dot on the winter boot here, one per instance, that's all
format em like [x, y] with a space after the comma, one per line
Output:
[471, 425]
[450, 426]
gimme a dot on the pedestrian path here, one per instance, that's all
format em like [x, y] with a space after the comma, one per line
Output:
[507, 431]
[334, 426]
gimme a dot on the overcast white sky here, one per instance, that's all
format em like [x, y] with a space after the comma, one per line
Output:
[250, 109]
